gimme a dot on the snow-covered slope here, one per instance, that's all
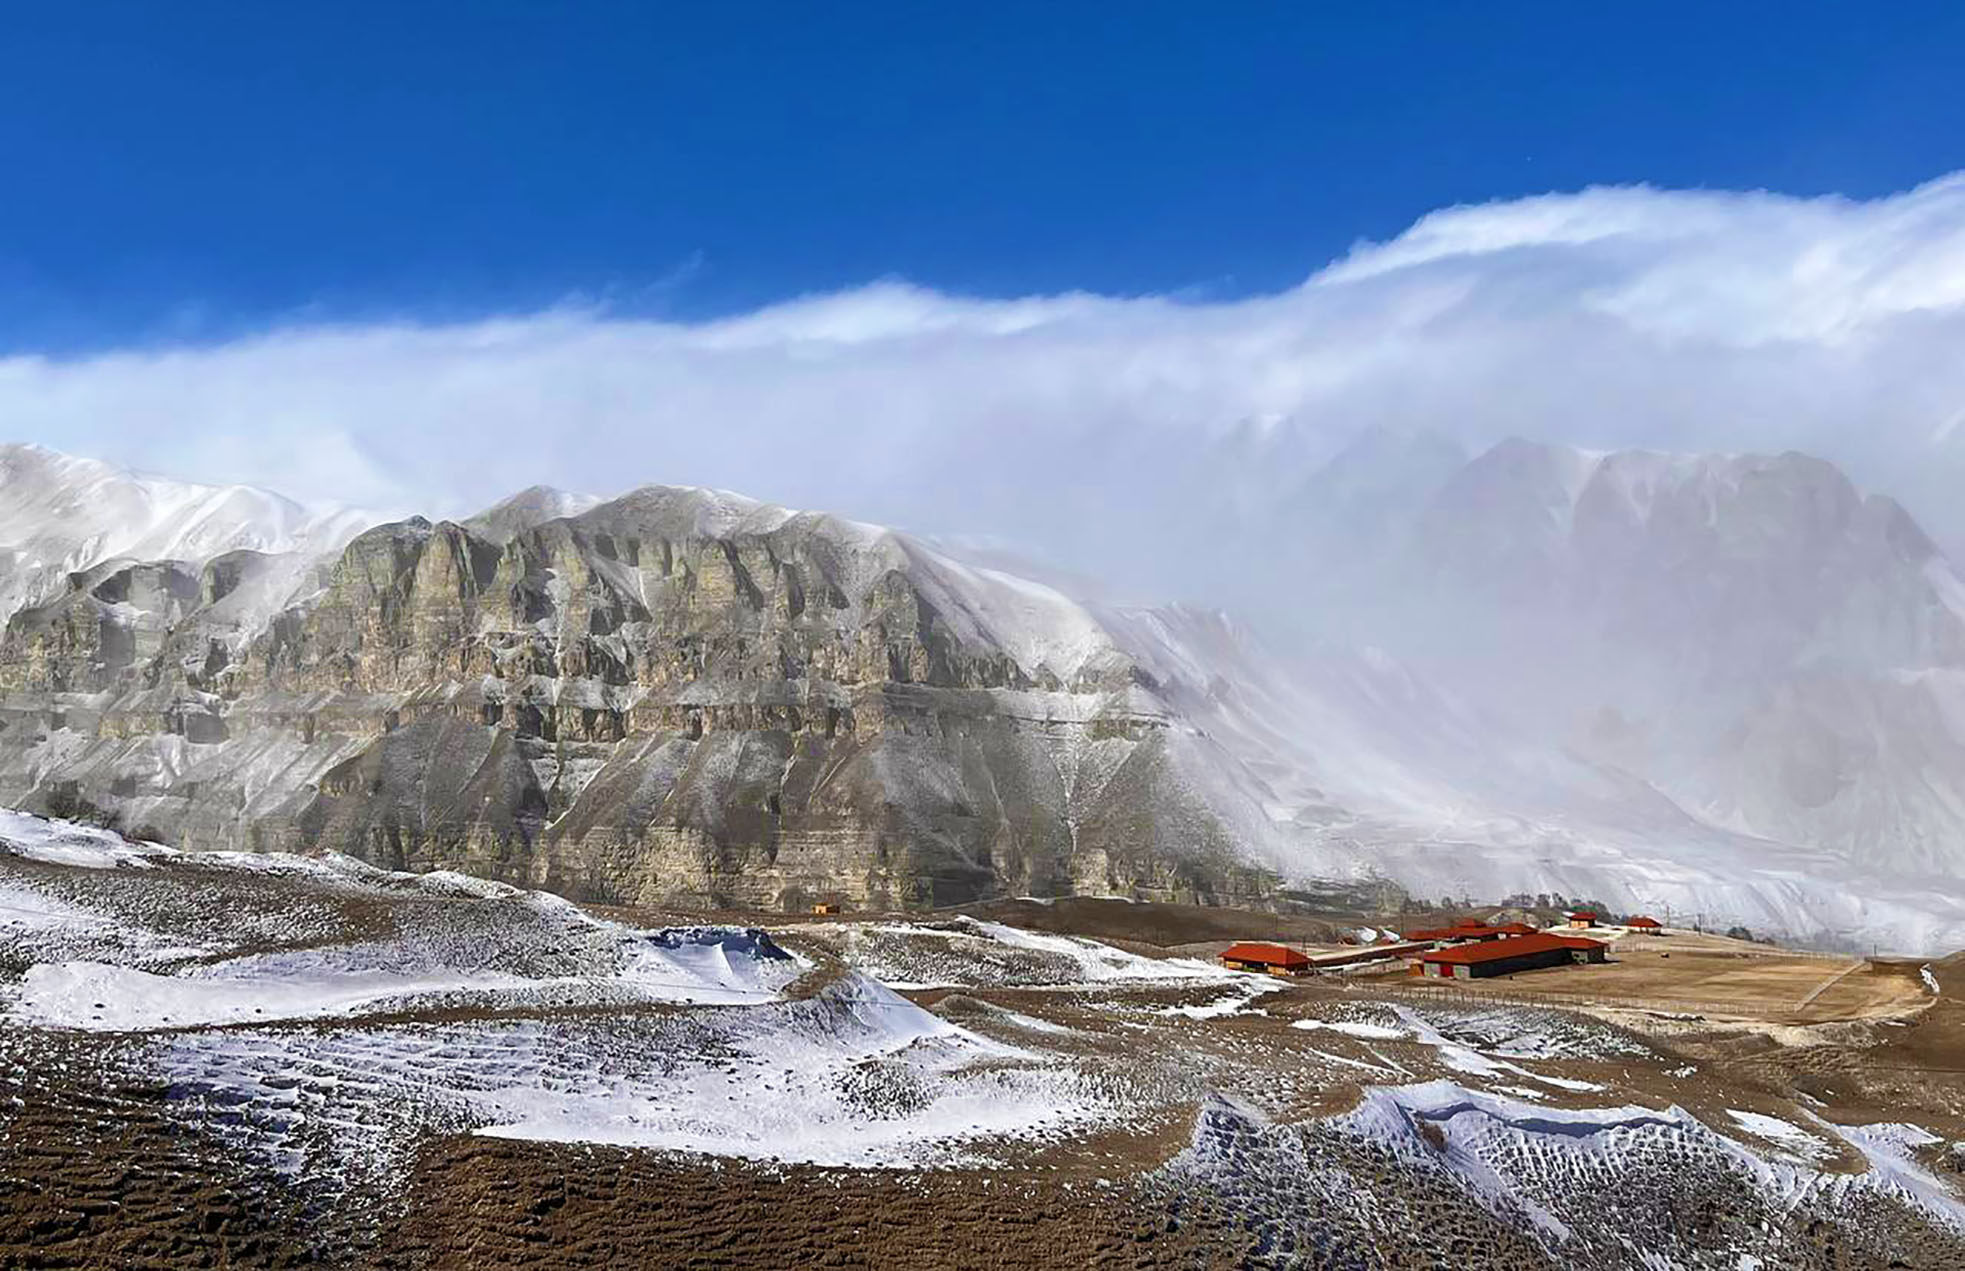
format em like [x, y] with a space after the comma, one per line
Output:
[1330, 764]
[1632, 666]
[1771, 647]
[534, 505]
[59, 514]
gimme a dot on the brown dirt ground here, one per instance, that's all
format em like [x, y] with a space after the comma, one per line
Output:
[485, 1203]
[94, 1173]
[1719, 981]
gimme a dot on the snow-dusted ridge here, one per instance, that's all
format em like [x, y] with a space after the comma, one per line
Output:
[705, 966]
[1506, 1150]
[1588, 1186]
[60, 514]
[1321, 763]
[461, 1015]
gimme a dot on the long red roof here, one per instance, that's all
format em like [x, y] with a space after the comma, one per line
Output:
[1471, 931]
[1494, 950]
[1268, 954]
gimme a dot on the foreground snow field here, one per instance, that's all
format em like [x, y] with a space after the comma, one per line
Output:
[319, 1027]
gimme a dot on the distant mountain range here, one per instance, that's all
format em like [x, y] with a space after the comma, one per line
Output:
[1727, 685]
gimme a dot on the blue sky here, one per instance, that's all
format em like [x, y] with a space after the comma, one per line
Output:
[191, 172]
[1012, 270]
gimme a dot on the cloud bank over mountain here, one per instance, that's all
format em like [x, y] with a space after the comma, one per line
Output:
[1613, 317]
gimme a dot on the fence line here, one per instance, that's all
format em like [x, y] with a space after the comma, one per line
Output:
[1635, 943]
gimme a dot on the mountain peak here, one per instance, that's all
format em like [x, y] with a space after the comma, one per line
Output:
[62, 513]
[533, 506]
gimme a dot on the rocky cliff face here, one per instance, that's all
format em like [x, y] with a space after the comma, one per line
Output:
[675, 696]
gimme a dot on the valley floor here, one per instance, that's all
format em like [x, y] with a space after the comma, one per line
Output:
[236, 1061]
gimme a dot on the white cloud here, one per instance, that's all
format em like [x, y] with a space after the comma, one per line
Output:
[1611, 317]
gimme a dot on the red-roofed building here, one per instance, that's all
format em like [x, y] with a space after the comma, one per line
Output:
[1504, 957]
[1645, 926]
[1269, 959]
[1438, 933]
[1583, 918]
[1470, 930]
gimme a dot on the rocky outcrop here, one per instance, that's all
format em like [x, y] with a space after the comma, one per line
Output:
[112, 622]
[677, 696]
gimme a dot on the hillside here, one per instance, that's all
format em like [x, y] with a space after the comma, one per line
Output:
[675, 695]
[249, 1060]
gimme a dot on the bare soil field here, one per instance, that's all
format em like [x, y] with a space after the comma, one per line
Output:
[1701, 974]
[485, 1203]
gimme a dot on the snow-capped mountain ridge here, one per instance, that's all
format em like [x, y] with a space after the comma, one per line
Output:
[1050, 635]
[60, 514]
[631, 680]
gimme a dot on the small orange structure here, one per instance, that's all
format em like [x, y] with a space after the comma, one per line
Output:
[1268, 959]
[1645, 926]
[826, 907]
[1583, 918]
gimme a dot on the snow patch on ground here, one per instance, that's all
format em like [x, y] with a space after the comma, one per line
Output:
[812, 1112]
[1353, 1028]
[1237, 1003]
[1792, 1143]
[969, 953]
[98, 997]
[70, 843]
[1516, 1155]
[1467, 1060]
[685, 967]
[1888, 1146]
[1557, 1174]
[854, 1076]
[23, 910]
